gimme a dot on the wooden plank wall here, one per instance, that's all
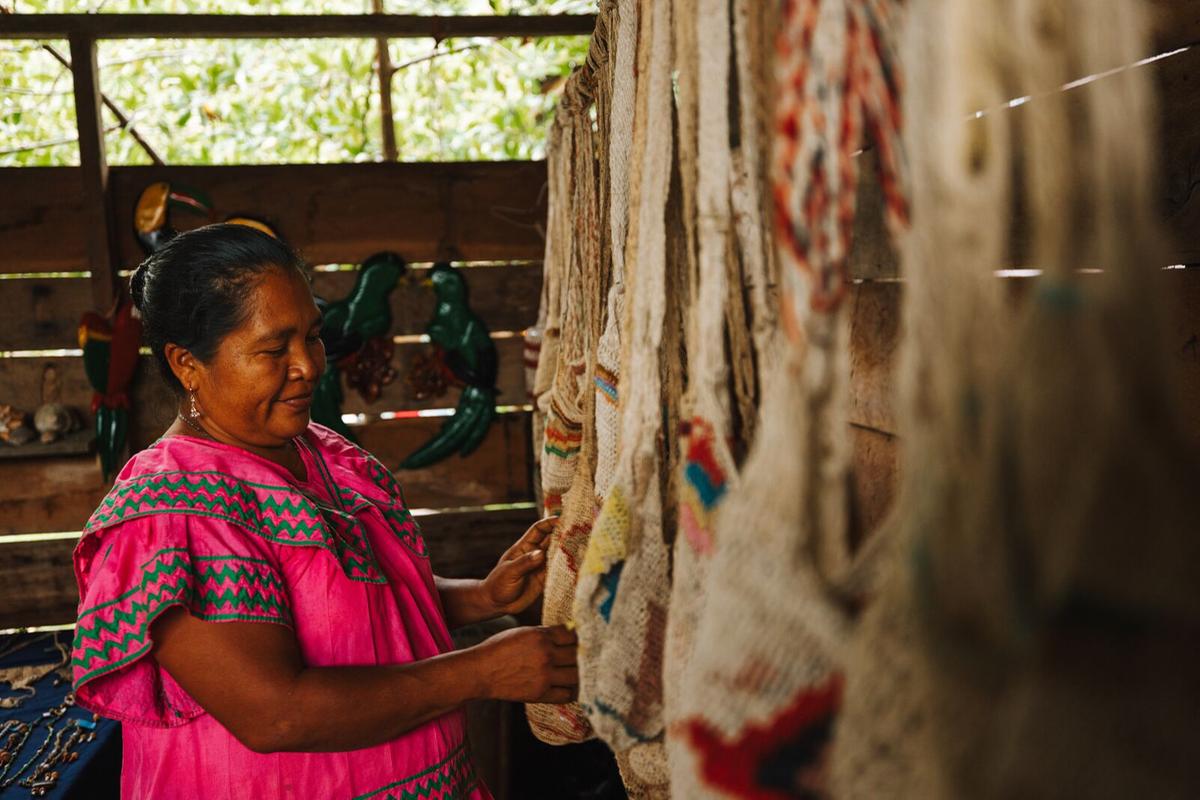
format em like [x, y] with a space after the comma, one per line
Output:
[322, 209]
[334, 213]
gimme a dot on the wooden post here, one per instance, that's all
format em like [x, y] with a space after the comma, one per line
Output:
[386, 116]
[97, 210]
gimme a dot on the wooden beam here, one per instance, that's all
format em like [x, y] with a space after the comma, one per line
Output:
[500, 471]
[333, 213]
[1177, 25]
[875, 466]
[874, 338]
[93, 171]
[289, 26]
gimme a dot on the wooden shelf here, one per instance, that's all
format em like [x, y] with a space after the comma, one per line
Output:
[78, 443]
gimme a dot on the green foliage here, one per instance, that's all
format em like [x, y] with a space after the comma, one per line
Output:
[291, 101]
[37, 109]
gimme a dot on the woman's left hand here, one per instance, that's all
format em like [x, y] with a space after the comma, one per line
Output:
[519, 577]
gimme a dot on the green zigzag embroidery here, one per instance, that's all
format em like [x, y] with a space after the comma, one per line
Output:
[385, 481]
[175, 588]
[456, 779]
[132, 499]
[397, 519]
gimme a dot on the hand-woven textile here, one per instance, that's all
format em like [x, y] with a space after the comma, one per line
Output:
[1043, 514]
[763, 691]
[621, 600]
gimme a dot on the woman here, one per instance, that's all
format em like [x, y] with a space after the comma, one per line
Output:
[256, 602]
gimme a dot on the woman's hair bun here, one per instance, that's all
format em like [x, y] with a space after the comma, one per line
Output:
[137, 286]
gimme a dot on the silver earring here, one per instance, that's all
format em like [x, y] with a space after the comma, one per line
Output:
[193, 409]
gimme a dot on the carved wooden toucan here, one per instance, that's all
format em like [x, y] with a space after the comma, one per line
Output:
[152, 217]
[467, 350]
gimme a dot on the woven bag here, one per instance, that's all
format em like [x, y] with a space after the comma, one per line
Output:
[554, 280]
[706, 463]
[622, 58]
[590, 275]
[564, 413]
[567, 723]
[621, 600]
[761, 695]
[1047, 574]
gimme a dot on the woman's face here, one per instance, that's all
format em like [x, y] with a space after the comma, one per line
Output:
[257, 389]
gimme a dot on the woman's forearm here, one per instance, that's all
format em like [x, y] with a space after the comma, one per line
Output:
[328, 709]
[464, 601]
[252, 678]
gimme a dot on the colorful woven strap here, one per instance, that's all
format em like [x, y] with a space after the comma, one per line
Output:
[837, 82]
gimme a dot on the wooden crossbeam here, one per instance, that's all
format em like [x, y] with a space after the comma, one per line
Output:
[1177, 25]
[288, 26]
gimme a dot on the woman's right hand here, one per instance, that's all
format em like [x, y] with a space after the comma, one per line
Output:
[530, 665]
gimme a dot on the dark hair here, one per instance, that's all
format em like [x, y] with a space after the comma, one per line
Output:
[192, 290]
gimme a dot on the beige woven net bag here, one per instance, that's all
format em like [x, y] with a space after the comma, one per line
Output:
[736, 270]
[556, 265]
[621, 600]
[707, 465]
[622, 60]
[581, 249]
[1043, 517]
[762, 691]
[562, 724]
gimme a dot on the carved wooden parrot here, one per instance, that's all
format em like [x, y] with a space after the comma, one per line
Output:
[355, 331]
[110, 357]
[111, 344]
[466, 347]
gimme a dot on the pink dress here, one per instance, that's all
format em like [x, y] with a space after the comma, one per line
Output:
[337, 558]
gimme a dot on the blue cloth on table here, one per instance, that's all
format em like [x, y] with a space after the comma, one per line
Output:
[96, 775]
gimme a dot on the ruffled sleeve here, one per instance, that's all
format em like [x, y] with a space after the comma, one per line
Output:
[132, 572]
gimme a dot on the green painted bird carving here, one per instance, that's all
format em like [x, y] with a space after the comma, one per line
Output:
[355, 333]
[467, 350]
